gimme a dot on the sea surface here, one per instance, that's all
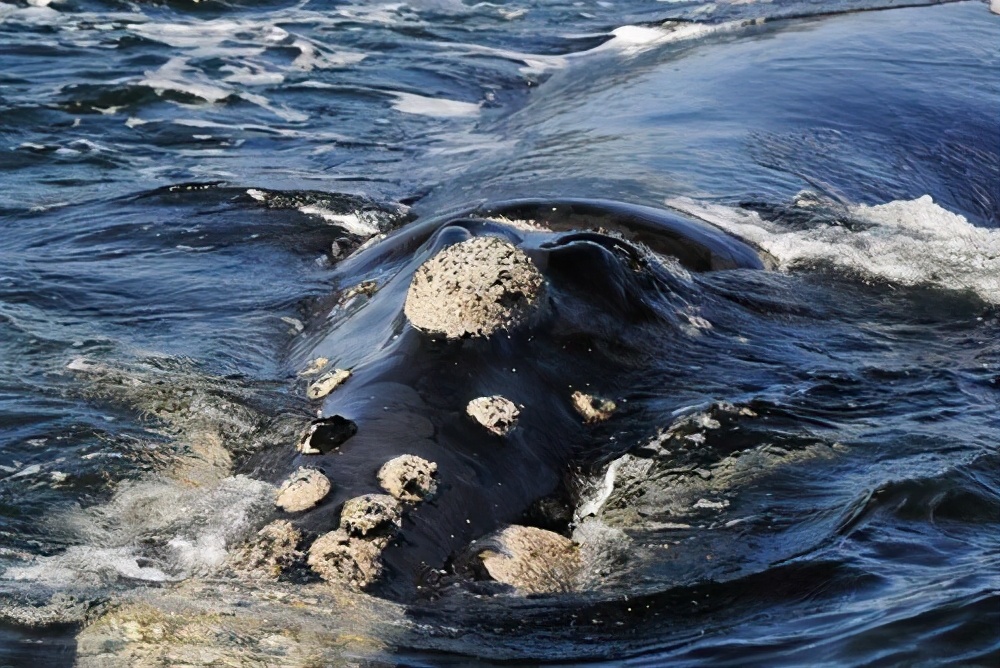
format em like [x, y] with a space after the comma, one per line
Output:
[805, 467]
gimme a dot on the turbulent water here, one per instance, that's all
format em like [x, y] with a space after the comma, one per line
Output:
[197, 199]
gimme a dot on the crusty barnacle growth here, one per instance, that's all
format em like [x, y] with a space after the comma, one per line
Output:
[498, 414]
[593, 409]
[302, 490]
[339, 557]
[371, 515]
[408, 478]
[473, 289]
[272, 550]
[327, 383]
[533, 561]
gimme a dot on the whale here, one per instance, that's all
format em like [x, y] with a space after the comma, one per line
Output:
[616, 277]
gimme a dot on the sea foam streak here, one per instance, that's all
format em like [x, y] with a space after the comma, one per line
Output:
[911, 242]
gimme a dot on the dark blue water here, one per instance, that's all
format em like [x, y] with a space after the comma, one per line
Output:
[173, 176]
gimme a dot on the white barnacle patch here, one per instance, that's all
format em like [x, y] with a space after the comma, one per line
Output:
[408, 478]
[473, 289]
[498, 414]
[591, 408]
[327, 383]
[302, 490]
[532, 560]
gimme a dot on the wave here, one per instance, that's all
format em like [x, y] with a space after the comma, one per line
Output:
[908, 242]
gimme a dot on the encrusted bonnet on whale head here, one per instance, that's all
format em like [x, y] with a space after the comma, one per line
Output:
[473, 289]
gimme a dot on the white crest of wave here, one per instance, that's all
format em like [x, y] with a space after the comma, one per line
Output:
[154, 531]
[632, 39]
[910, 242]
[205, 35]
[410, 103]
[177, 75]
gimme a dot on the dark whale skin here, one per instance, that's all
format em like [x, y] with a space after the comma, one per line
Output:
[695, 244]
[409, 389]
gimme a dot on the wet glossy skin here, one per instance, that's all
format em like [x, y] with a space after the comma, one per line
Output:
[408, 391]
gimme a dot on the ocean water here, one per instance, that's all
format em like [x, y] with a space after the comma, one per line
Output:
[805, 465]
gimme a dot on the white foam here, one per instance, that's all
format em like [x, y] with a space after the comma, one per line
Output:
[86, 565]
[31, 15]
[282, 112]
[240, 43]
[920, 215]
[189, 529]
[203, 553]
[631, 39]
[409, 103]
[310, 134]
[634, 35]
[602, 549]
[512, 14]
[28, 470]
[534, 63]
[600, 494]
[913, 242]
[251, 76]
[312, 57]
[175, 75]
[195, 35]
